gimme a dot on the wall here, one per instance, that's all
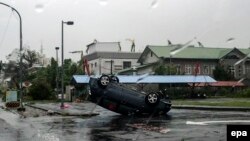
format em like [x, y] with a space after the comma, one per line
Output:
[103, 47]
[103, 66]
[150, 59]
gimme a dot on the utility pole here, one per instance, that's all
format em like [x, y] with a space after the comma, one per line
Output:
[111, 66]
[21, 58]
[57, 71]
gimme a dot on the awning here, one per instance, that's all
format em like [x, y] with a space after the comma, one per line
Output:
[83, 79]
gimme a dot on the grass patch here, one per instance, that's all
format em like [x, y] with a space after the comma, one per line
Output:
[227, 103]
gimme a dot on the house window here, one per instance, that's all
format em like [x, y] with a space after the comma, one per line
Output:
[239, 70]
[196, 69]
[151, 54]
[92, 66]
[247, 69]
[231, 69]
[126, 64]
[212, 68]
[178, 69]
[188, 69]
[205, 69]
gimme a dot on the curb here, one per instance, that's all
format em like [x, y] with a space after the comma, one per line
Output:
[62, 113]
[212, 108]
[40, 108]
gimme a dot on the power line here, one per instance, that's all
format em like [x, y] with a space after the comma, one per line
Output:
[6, 28]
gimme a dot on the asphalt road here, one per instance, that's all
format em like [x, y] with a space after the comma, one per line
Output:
[178, 125]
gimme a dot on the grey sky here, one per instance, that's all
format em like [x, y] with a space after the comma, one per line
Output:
[147, 21]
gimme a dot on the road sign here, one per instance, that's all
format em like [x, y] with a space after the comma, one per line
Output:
[11, 96]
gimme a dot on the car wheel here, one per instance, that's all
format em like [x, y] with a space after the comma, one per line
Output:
[104, 81]
[152, 99]
[115, 79]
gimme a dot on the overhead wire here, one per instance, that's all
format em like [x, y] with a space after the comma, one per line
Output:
[5, 30]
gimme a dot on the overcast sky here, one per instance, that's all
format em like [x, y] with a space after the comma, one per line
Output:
[148, 22]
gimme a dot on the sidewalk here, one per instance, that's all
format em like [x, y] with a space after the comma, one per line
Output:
[216, 104]
[91, 109]
[72, 109]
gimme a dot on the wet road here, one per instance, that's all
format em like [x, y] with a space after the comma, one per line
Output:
[108, 126]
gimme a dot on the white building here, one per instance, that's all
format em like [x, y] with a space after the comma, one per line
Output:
[107, 58]
[42, 61]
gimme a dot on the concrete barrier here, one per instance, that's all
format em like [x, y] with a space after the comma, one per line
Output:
[12, 104]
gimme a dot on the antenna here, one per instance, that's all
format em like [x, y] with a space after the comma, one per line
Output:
[41, 52]
[169, 42]
[133, 44]
[41, 48]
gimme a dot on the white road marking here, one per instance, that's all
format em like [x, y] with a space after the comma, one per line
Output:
[211, 122]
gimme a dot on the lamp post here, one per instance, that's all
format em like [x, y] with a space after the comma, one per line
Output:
[57, 71]
[170, 64]
[62, 98]
[21, 59]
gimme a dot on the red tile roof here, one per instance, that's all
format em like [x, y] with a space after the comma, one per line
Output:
[227, 84]
[220, 84]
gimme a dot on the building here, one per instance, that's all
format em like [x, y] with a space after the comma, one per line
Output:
[191, 60]
[107, 58]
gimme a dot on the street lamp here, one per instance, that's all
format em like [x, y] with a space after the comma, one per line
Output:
[78, 51]
[21, 59]
[81, 59]
[57, 71]
[62, 98]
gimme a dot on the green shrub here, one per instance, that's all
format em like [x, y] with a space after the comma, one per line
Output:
[40, 90]
[4, 98]
[243, 93]
[224, 92]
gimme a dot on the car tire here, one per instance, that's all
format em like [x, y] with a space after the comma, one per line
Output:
[152, 99]
[103, 81]
[115, 79]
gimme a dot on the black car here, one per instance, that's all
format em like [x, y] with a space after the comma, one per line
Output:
[107, 92]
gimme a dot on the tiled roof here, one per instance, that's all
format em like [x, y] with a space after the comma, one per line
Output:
[192, 52]
[227, 84]
[220, 84]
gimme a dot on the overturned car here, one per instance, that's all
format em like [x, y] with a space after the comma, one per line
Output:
[107, 92]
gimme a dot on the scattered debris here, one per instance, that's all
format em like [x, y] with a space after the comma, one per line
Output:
[164, 131]
[149, 128]
[50, 112]
[65, 106]
[23, 114]
[21, 109]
